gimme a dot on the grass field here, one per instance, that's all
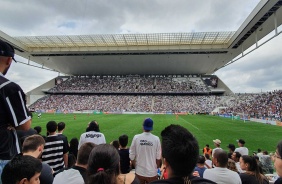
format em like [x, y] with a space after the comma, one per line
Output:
[205, 128]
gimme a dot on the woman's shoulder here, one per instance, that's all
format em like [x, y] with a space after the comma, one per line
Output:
[129, 178]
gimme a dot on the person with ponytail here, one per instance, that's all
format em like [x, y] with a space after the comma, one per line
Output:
[103, 167]
[252, 174]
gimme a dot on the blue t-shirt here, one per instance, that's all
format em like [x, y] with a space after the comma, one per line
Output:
[200, 170]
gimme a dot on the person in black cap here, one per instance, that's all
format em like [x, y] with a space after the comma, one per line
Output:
[242, 149]
[13, 111]
[145, 153]
[231, 150]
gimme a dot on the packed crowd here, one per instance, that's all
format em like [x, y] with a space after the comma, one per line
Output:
[126, 103]
[131, 85]
[267, 105]
[90, 160]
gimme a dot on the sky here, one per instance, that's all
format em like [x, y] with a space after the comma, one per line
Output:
[256, 72]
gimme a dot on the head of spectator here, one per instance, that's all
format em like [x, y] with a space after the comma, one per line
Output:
[61, 127]
[232, 165]
[21, 170]
[38, 129]
[73, 149]
[123, 141]
[103, 164]
[265, 152]
[216, 142]
[259, 150]
[241, 142]
[51, 127]
[7, 53]
[207, 156]
[115, 143]
[220, 158]
[93, 126]
[201, 160]
[180, 150]
[148, 125]
[249, 164]
[236, 156]
[278, 159]
[231, 148]
[84, 153]
[33, 145]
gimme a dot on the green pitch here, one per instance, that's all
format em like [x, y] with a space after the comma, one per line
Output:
[205, 128]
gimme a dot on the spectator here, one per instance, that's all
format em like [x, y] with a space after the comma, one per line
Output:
[22, 134]
[33, 146]
[180, 150]
[124, 154]
[73, 149]
[22, 169]
[145, 151]
[259, 153]
[207, 150]
[115, 143]
[217, 143]
[208, 162]
[200, 167]
[55, 149]
[252, 174]
[103, 167]
[38, 129]
[13, 111]
[220, 174]
[278, 162]
[232, 165]
[236, 157]
[266, 163]
[61, 128]
[242, 149]
[92, 135]
[76, 174]
[231, 148]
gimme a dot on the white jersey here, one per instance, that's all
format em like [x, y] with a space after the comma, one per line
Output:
[222, 176]
[242, 150]
[92, 136]
[70, 176]
[145, 149]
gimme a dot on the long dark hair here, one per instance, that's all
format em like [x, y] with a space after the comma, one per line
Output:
[279, 148]
[253, 167]
[103, 165]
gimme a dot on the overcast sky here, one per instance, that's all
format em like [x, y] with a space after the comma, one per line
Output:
[258, 71]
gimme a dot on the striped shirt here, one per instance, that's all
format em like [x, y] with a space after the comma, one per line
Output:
[54, 150]
[13, 112]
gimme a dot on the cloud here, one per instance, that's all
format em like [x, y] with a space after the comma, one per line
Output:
[260, 70]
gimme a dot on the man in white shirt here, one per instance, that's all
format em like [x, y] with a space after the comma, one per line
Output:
[145, 152]
[242, 150]
[92, 135]
[220, 174]
[76, 174]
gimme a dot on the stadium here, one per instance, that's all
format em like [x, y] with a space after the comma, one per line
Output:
[153, 73]
[109, 84]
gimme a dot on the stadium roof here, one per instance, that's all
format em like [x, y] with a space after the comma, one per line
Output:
[160, 53]
[126, 40]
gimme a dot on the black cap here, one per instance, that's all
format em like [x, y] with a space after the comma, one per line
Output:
[231, 146]
[241, 141]
[7, 50]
